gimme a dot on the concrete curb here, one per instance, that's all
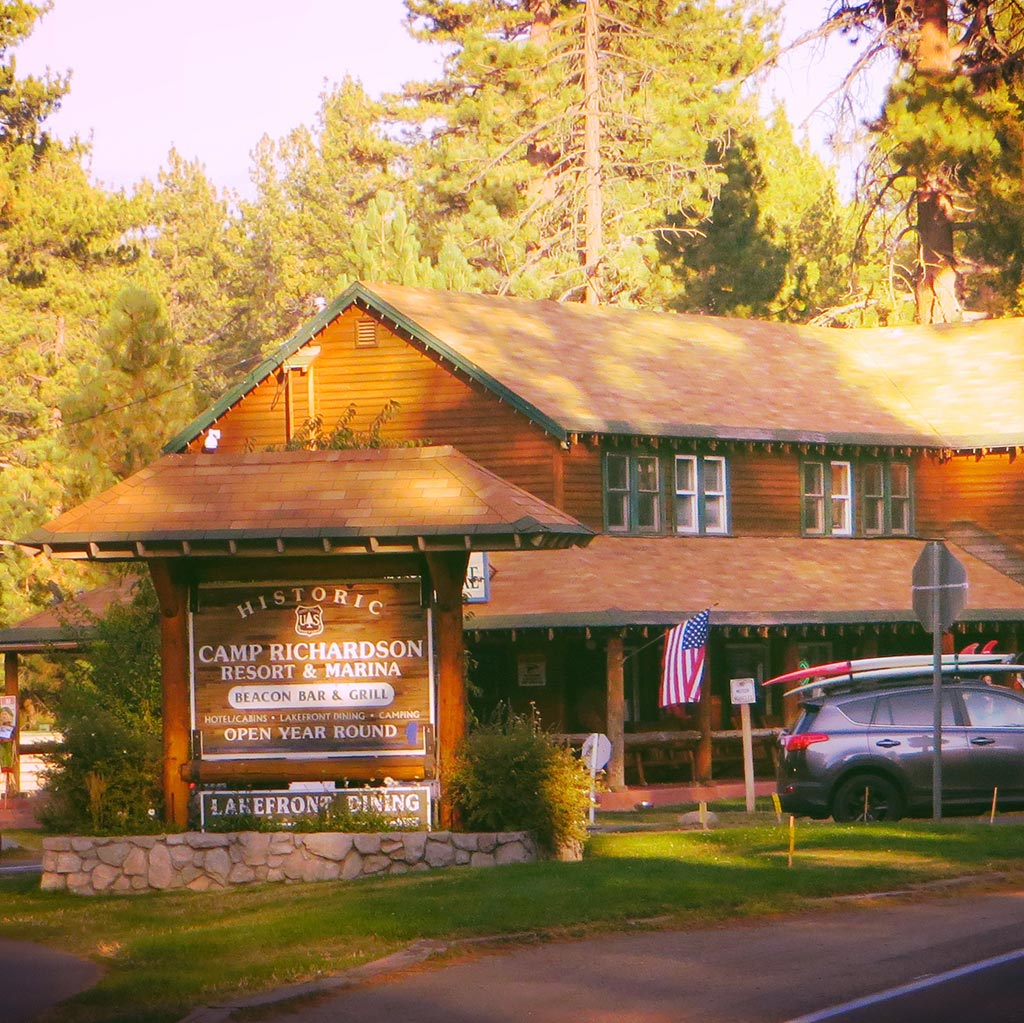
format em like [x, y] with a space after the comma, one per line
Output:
[417, 952]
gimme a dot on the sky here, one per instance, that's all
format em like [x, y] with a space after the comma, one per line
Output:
[211, 77]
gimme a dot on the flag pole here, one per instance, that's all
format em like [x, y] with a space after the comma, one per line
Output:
[657, 639]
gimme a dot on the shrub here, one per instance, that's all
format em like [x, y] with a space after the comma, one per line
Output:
[107, 777]
[510, 775]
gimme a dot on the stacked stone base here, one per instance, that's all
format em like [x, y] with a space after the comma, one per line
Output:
[196, 861]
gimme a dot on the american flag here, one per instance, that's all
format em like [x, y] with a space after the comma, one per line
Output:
[682, 667]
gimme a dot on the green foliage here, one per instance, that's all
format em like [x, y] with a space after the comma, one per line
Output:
[107, 779]
[24, 102]
[510, 775]
[941, 185]
[136, 393]
[311, 435]
[503, 161]
[196, 245]
[774, 245]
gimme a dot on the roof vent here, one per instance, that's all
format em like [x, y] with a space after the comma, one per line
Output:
[366, 334]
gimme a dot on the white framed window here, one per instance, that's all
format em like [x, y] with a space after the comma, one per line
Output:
[841, 498]
[701, 494]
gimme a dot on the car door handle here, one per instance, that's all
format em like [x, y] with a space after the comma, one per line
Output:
[887, 743]
[983, 741]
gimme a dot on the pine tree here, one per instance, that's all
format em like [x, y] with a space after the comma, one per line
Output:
[137, 393]
[65, 247]
[943, 172]
[508, 165]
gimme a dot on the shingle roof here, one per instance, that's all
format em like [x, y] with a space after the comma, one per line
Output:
[61, 624]
[430, 498]
[618, 581]
[583, 369]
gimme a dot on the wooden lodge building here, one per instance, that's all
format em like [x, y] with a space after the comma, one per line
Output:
[622, 470]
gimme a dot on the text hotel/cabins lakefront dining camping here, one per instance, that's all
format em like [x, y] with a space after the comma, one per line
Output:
[311, 669]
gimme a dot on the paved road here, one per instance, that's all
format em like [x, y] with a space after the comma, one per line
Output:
[34, 978]
[755, 972]
[985, 992]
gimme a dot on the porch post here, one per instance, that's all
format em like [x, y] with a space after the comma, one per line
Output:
[172, 595]
[616, 715]
[447, 576]
[11, 689]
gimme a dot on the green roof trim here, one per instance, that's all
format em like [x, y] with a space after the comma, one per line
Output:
[359, 295]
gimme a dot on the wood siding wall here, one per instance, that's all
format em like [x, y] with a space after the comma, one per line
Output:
[436, 405]
[988, 492]
[764, 489]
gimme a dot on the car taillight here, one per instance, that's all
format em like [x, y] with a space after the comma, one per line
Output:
[796, 743]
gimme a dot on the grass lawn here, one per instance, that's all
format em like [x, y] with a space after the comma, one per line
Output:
[165, 954]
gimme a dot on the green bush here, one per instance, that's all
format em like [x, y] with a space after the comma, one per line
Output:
[510, 775]
[107, 777]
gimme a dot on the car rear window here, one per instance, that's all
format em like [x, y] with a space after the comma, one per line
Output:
[913, 709]
[860, 710]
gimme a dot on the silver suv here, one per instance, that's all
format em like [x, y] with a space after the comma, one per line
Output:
[867, 755]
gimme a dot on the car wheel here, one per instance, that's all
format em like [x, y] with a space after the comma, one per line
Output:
[867, 797]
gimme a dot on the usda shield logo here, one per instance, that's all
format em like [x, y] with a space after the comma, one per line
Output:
[309, 621]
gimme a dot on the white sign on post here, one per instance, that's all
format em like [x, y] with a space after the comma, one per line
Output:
[742, 690]
[597, 751]
[744, 693]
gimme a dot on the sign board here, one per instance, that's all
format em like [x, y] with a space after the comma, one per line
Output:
[477, 587]
[597, 751]
[532, 670]
[8, 716]
[340, 669]
[939, 587]
[404, 806]
[742, 690]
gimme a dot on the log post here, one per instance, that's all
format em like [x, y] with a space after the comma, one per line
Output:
[616, 715]
[11, 688]
[447, 577]
[172, 595]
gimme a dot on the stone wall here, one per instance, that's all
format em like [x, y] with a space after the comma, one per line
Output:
[197, 861]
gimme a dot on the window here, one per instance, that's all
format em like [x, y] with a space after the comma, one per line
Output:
[828, 498]
[632, 493]
[913, 709]
[885, 491]
[993, 709]
[701, 497]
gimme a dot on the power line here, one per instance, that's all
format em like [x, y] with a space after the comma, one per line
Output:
[37, 434]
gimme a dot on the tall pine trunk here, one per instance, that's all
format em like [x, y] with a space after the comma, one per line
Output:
[593, 240]
[936, 284]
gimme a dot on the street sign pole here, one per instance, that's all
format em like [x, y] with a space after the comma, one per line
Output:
[939, 593]
[936, 690]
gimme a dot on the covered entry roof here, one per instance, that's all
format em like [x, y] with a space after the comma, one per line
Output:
[307, 502]
[620, 581]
